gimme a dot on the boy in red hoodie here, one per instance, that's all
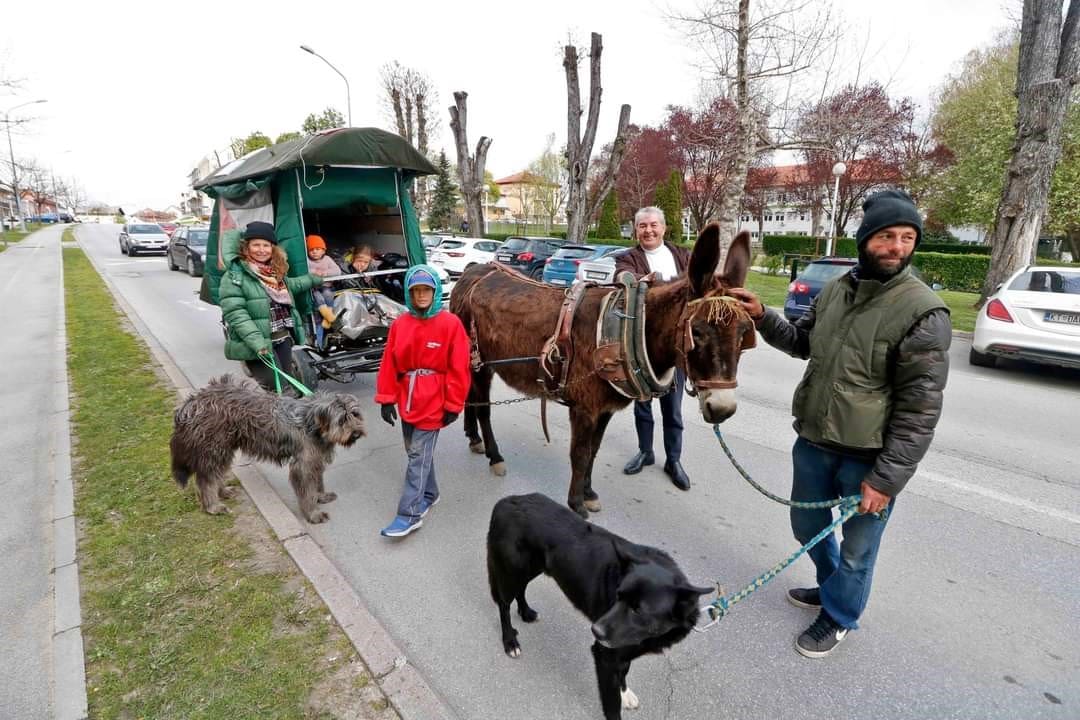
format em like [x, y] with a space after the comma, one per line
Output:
[425, 373]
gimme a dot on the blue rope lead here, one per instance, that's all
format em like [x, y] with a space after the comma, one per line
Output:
[849, 506]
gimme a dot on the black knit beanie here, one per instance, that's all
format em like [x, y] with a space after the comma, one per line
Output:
[885, 209]
[260, 230]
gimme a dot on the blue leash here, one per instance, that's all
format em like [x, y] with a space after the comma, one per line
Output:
[848, 505]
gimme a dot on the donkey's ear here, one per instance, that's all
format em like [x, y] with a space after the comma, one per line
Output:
[738, 261]
[704, 259]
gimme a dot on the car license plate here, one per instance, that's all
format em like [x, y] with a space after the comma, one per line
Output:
[1066, 318]
[503, 258]
[592, 275]
[557, 281]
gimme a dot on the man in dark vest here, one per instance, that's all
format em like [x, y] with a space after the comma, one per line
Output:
[878, 341]
[663, 261]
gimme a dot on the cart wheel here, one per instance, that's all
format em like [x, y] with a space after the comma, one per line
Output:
[305, 371]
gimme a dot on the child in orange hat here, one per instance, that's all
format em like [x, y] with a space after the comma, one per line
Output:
[323, 266]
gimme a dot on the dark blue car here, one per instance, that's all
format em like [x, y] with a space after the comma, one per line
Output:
[561, 268]
[806, 286]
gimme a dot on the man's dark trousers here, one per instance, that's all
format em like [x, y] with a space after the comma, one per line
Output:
[671, 412]
[845, 570]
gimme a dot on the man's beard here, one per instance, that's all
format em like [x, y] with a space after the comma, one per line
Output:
[871, 269]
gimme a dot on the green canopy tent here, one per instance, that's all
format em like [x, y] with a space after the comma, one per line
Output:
[355, 179]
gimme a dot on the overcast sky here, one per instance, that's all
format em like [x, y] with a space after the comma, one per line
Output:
[138, 92]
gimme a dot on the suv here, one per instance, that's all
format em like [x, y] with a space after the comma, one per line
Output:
[527, 254]
[804, 288]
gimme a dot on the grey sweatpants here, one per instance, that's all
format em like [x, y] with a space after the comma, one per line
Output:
[420, 472]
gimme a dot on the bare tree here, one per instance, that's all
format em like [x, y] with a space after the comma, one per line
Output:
[470, 169]
[756, 58]
[550, 180]
[410, 98]
[1048, 70]
[579, 206]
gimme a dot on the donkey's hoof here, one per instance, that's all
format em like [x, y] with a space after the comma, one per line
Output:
[592, 505]
[498, 469]
[477, 447]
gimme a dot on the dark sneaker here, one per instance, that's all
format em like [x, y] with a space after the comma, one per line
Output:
[401, 527]
[805, 598]
[821, 638]
[425, 505]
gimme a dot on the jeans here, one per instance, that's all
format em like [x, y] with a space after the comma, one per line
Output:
[282, 356]
[323, 296]
[671, 412]
[420, 473]
[846, 569]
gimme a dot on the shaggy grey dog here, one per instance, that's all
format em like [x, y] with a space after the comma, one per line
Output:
[232, 413]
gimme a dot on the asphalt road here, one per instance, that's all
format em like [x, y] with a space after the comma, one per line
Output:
[974, 614]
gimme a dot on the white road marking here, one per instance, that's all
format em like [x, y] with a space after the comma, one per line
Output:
[197, 304]
[1019, 502]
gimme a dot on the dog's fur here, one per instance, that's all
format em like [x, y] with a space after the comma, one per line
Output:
[636, 596]
[232, 413]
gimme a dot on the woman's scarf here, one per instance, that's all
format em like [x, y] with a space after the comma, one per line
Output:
[274, 288]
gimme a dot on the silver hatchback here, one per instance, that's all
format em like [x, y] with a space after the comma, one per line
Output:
[143, 237]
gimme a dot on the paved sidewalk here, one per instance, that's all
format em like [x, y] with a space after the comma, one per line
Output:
[41, 675]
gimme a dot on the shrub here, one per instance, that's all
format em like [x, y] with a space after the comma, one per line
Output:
[954, 248]
[954, 272]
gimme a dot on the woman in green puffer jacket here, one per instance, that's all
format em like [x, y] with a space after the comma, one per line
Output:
[257, 305]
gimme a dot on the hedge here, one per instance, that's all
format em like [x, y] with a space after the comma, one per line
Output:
[806, 245]
[954, 248]
[953, 272]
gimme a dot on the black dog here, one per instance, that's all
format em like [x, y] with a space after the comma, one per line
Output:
[636, 596]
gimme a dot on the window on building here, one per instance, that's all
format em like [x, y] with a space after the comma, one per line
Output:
[768, 218]
[779, 218]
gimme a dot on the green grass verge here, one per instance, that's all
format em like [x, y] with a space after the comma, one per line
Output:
[772, 289]
[69, 235]
[185, 615]
[961, 308]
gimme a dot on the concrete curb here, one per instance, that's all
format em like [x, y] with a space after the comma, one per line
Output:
[69, 669]
[404, 687]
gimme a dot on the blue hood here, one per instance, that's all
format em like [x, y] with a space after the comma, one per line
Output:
[436, 304]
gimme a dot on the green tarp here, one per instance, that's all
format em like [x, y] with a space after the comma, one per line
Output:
[344, 168]
[355, 147]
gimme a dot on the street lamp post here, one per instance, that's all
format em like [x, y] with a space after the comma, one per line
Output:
[11, 152]
[348, 94]
[837, 170]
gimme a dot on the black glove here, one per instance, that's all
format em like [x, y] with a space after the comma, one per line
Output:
[448, 417]
[389, 414]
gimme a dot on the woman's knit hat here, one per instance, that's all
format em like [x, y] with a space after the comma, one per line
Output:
[260, 231]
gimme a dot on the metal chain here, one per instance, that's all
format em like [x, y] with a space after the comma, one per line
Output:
[526, 398]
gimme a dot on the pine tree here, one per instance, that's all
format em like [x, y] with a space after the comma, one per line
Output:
[669, 199]
[608, 226]
[445, 197]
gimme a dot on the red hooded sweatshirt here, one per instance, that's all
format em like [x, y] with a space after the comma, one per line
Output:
[438, 348]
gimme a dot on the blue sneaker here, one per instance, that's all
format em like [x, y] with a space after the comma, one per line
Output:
[401, 527]
[425, 505]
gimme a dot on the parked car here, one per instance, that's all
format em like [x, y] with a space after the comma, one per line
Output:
[456, 254]
[527, 254]
[1033, 316]
[142, 237]
[430, 243]
[806, 286]
[187, 248]
[562, 267]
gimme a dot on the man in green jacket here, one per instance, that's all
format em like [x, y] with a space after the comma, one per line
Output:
[877, 340]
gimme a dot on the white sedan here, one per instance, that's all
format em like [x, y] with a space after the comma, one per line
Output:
[1033, 316]
[456, 254]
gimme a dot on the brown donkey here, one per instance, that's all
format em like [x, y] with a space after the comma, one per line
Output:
[514, 316]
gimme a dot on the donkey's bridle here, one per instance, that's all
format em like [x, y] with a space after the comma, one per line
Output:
[720, 309]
